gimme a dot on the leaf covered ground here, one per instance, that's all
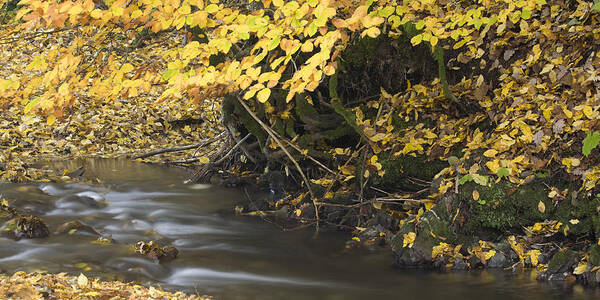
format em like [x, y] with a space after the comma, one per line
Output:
[93, 127]
[60, 286]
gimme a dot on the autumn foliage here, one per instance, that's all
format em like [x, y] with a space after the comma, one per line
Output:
[520, 100]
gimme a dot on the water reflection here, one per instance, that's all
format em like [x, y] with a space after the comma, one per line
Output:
[221, 254]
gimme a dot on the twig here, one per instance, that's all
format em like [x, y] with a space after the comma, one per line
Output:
[379, 200]
[380, 190]
[243, 147]
[310, 157]
[274, 137]
[390, 199]
[239, 143]
[181, 148]
[185, 161]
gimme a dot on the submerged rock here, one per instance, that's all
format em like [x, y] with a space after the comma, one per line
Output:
[74, 226]
[78, 202]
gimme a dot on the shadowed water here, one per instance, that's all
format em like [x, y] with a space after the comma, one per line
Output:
[230, 257]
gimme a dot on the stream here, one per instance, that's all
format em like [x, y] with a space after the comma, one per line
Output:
[221, 254]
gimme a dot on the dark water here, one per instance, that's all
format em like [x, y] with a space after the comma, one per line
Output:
[227, 256]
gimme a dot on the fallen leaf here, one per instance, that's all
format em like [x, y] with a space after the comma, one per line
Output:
[541, 207]
[82, 281]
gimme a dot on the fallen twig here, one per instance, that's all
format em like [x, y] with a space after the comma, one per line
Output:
[181, 148]
[238, 144]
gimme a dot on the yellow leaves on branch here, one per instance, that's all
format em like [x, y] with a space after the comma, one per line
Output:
[261, 49]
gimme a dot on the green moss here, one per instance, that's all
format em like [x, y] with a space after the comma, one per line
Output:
[501, 207]
[358, 54]
[559, 260]
[581, 208]
[594, 255]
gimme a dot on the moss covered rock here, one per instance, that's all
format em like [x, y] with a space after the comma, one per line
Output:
[561, 261]
[431, 228]
[503, 206]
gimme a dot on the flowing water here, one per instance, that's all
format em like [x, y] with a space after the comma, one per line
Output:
[227, 256]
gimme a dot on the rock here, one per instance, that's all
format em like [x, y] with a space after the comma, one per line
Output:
[154, 251]
[417, 256]
[560, 266]
[76, 173]
[31, 227]
[558, 276]
[545, 257]
[77, 202]
[434, 223]
[499, 260]
[459, 264]
[561, 262]
[77, 226]
[475, 262]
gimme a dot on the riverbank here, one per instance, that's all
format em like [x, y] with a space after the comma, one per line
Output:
[21, 285]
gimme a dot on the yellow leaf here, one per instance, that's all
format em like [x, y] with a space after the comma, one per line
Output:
[263, 95]
[211, 8]
[533, 255]
[51, 119]
[581, 267]
[75, 10]
[429, 204]
[588, 111]
[490, 153]
[415, 40]
[204, 160]
[307, 47]
[96, 13]
[433, 41]
[82, 281]
[439, 250]
[574, 221]
[475, 195]
[409, 239]
[541, 207]
[493, 165]
[372, 32]
[377, 205]
[490, 254]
